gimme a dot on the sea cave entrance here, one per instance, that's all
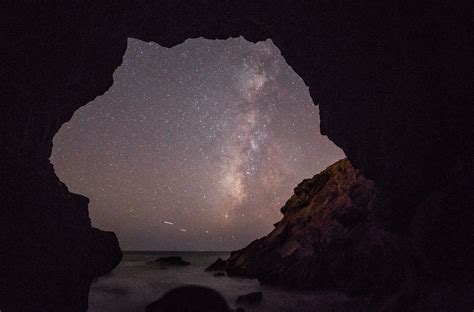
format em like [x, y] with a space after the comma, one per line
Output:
[194, 147]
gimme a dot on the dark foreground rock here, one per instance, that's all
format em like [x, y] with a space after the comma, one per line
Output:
[190, 298]
[219, 274]
[332, 236]
[254, 298]
[325, 239]
[218, 265]
[170, 261]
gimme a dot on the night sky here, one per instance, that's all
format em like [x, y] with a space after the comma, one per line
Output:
[196, 147]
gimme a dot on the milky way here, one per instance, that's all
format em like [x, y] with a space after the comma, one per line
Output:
[196, 147]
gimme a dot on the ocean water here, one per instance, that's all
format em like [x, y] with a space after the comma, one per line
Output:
[134, 284]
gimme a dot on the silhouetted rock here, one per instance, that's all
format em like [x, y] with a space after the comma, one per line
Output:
[218, 265]
[219, 274]
[331, 237]
[190, 298]
[254, 298]
[170, 261]
[325, 218]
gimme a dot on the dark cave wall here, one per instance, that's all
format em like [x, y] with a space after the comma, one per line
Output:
[392, 82]
[58, 60]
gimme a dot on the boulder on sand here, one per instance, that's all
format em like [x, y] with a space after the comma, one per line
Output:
[190, 298]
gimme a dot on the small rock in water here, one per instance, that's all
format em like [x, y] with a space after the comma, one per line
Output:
[218, 265]
[250, 299]
[177, 261]
[219, 274]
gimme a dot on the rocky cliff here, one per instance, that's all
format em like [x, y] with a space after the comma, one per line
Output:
[330, 237]
[326, 239]
[392, 80]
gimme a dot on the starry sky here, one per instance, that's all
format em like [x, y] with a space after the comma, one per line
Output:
[194, 147]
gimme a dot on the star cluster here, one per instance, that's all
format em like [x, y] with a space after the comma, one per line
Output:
[195, 147]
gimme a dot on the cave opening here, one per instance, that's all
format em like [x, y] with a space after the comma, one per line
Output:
[194, 147]
[393, 89]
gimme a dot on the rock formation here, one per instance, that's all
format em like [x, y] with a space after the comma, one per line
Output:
[217, 265]
[170, 261]
[190, 298]
[392, 80]
[326, 239]
[331, 238]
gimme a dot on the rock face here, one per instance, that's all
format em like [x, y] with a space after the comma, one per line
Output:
[330, 237]
[392, 80]
[326, 239]
[218, 265]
